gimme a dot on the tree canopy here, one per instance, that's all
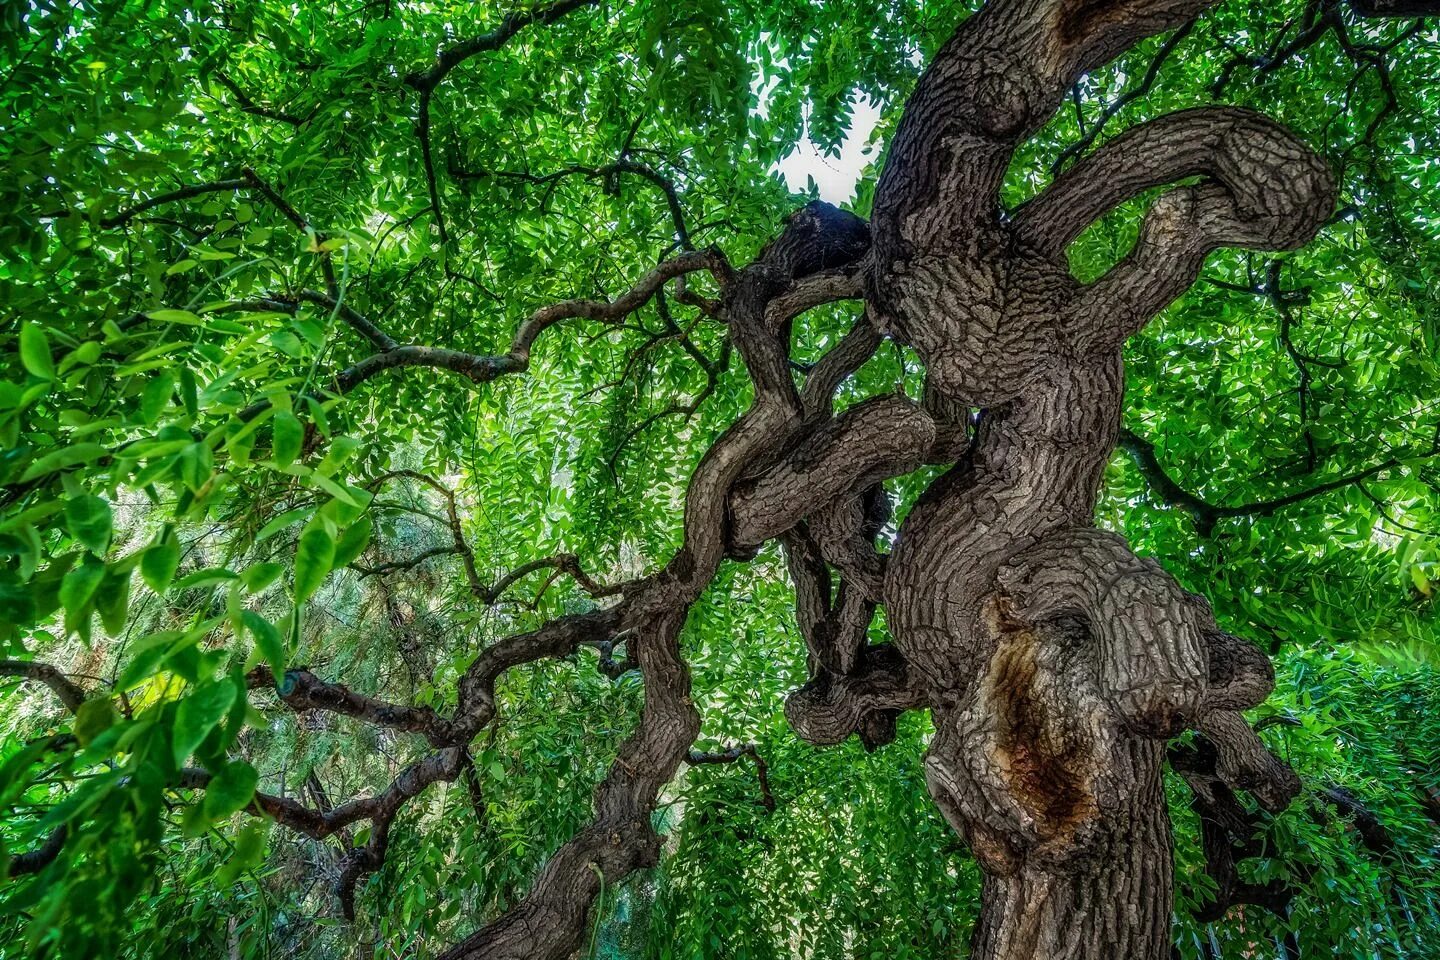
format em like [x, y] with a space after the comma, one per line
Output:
[358, 361]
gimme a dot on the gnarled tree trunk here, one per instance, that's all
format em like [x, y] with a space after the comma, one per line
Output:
[1055, 662]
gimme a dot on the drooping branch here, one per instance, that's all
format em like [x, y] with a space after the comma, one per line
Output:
[482, 369]
[452, 56]
[866, 701]
[426, 82]
[550, 922]
[607, 172]
[1373, 834]
[1206, 514]
[443, 765]
[1229, 833]
[566, 563]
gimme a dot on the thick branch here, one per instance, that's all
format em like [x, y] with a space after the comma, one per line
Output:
[884, 437]
[866, 701]
[1269, 192]
[1280, 191]
[70, 693]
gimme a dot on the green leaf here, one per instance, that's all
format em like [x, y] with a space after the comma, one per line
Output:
[282, 521]
[61, 459]
[249, 851]
[160, 561]
[35, 351]
[80, 584]
[94, 717]
[267, 640]
[175, 316]
[89, 521]
[314, 556]
[157, 395]
[198, 714]
[352, 542]
[289, 433]
[259, 576]
[147, 656]
[112, 600]
[17, 601]
[230, 790]
[207, 577]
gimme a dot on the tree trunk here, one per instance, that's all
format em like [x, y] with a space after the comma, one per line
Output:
[1055, 662]
[1116, 905]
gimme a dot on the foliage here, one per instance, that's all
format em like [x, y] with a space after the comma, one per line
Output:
[186, 497]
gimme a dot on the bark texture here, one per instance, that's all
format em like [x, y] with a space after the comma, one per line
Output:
[1056, 663]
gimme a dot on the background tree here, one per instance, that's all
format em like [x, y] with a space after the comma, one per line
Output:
[436, 432]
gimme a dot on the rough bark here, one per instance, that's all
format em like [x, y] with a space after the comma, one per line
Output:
[1056, 664]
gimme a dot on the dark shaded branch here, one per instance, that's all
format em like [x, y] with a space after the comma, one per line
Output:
[184, 193]
[1229, 833]
[865, 701]
[70, 693]
[33, 861]
[607, 173]
[411, 563]
[361, 323]
[251, 107]
[263, 187]
[362, 861]
[1205, 514]
[1372, 832]
[452, 56]
[697, 758]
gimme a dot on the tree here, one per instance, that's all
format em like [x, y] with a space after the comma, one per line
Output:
[170, 343]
